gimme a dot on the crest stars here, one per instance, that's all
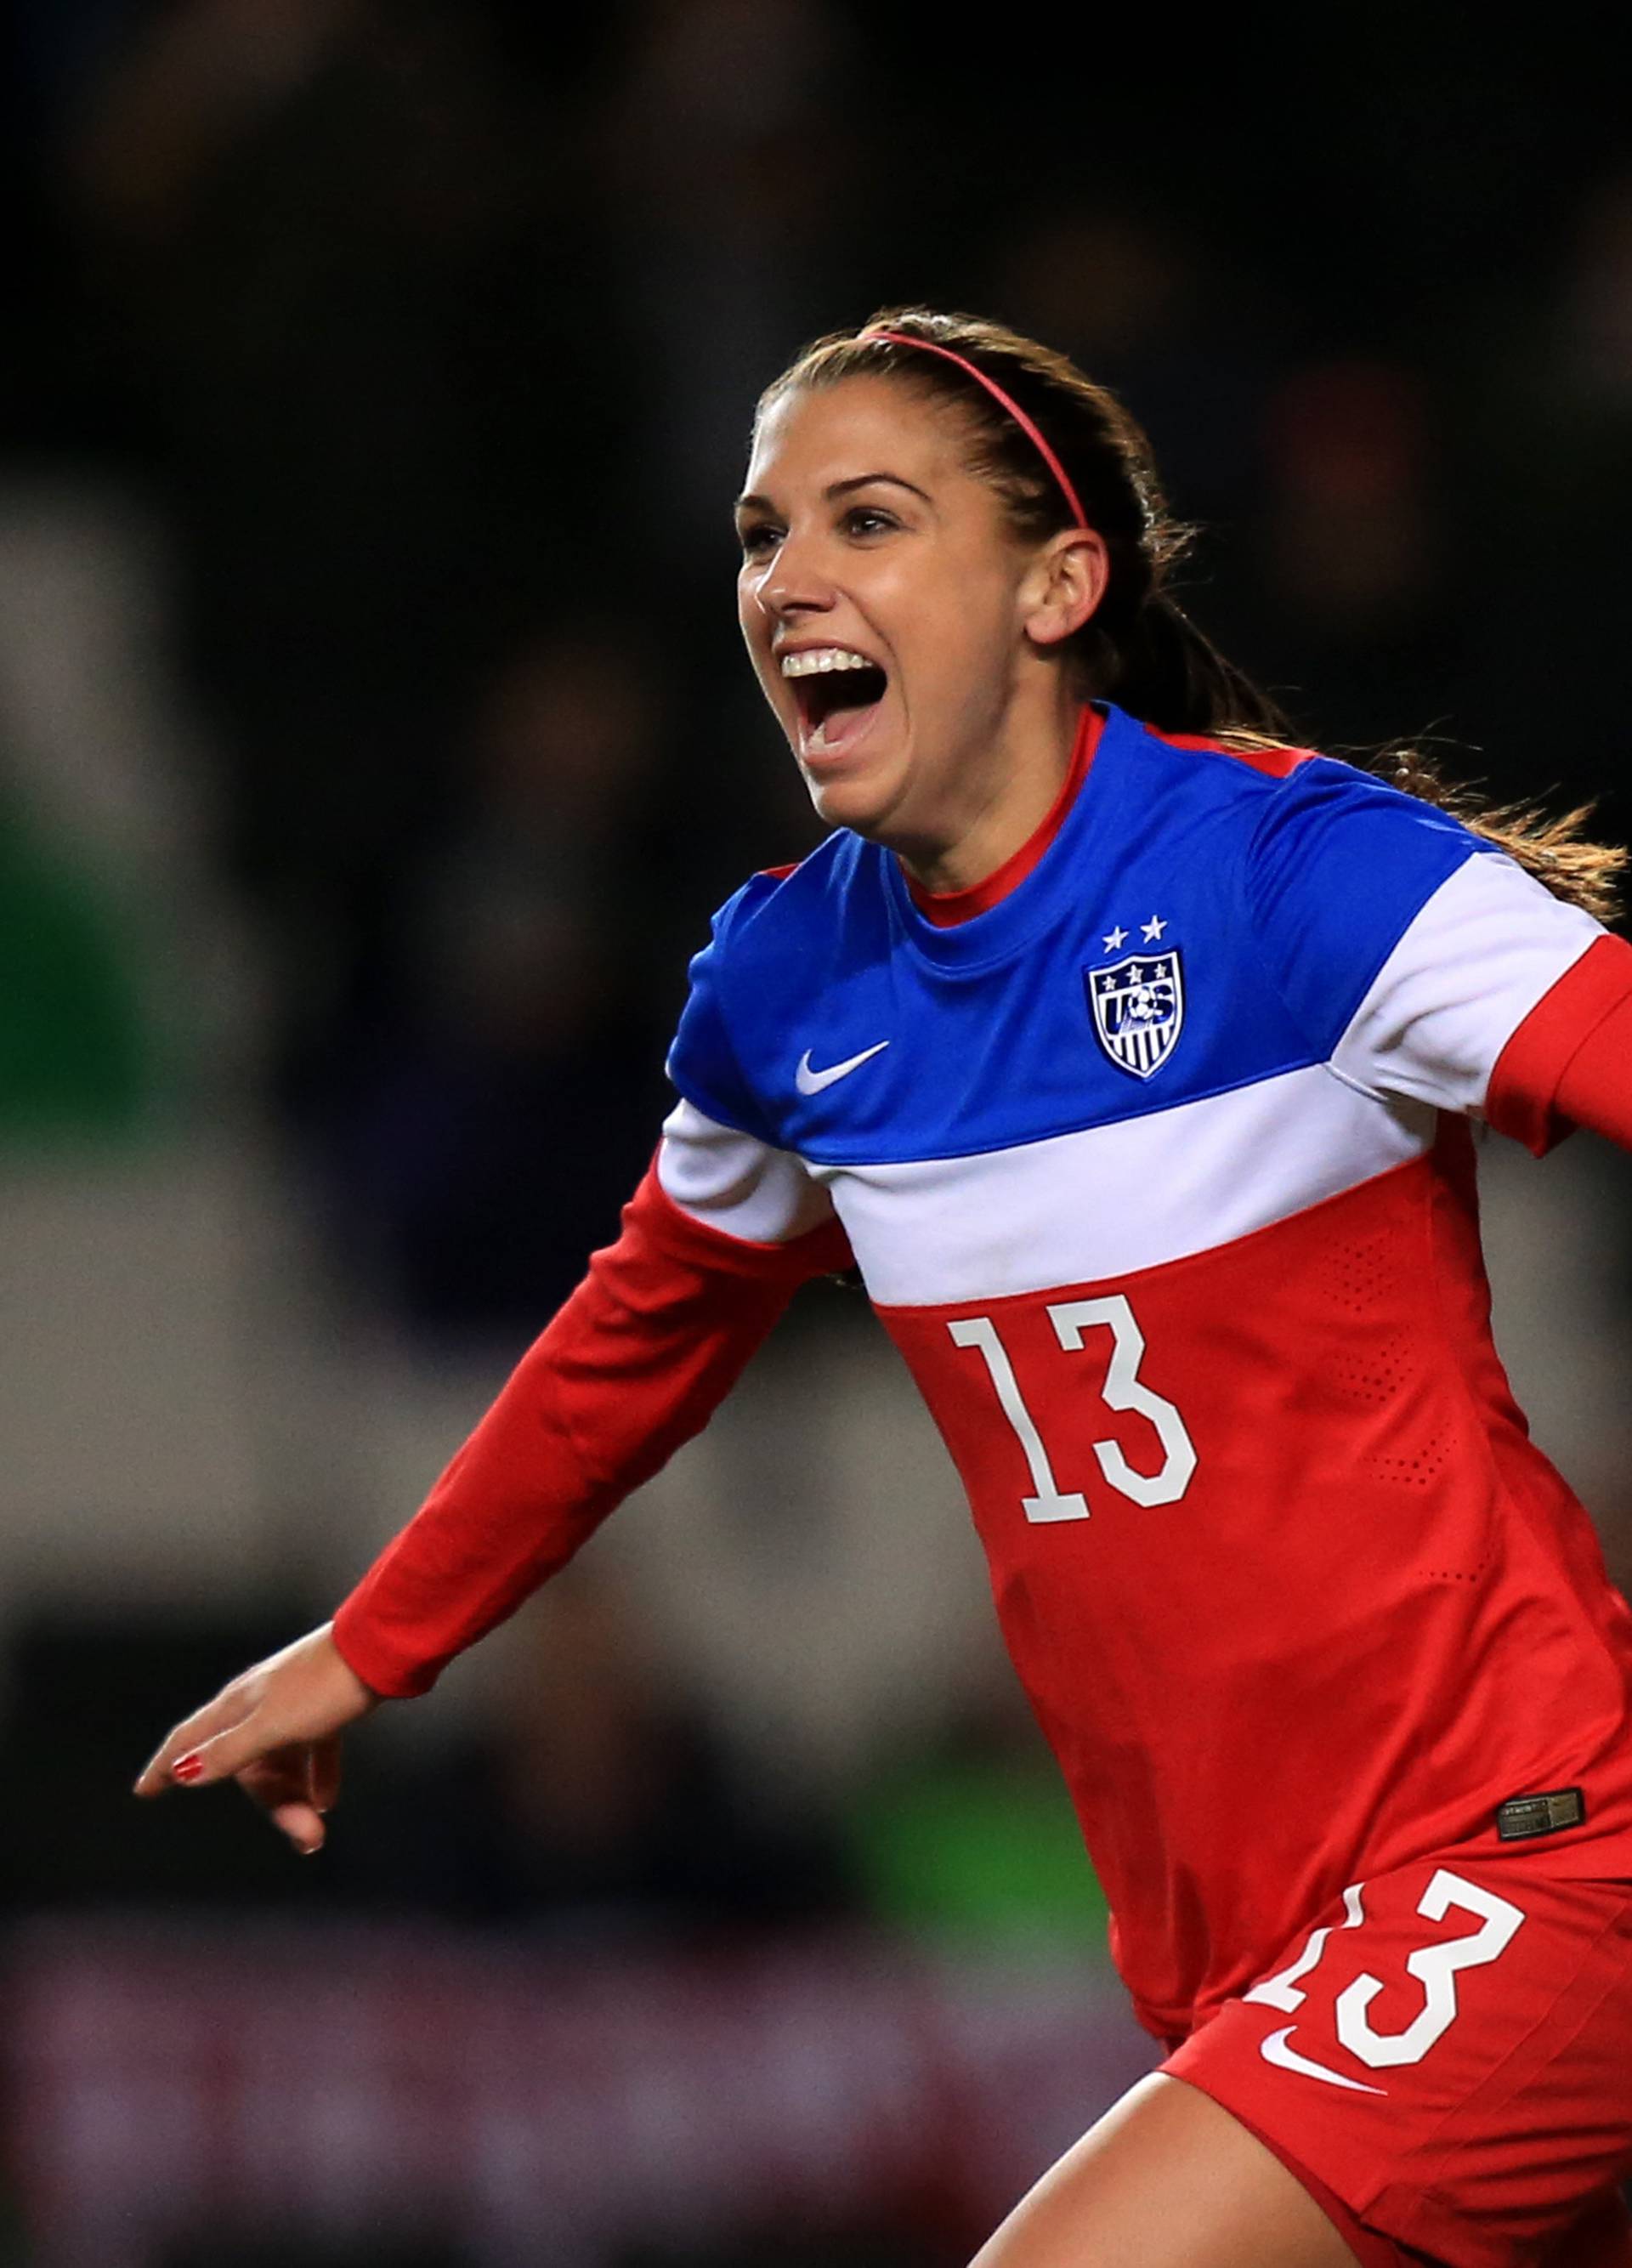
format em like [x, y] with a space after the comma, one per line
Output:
[1150, 931]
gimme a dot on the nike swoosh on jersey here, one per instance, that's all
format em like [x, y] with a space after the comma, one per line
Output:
[1275, 2051]
[812, 1082]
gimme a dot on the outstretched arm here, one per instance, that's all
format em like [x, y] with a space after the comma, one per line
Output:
[634, 1364]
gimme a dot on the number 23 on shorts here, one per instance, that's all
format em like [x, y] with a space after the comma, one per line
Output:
[1435, 1966]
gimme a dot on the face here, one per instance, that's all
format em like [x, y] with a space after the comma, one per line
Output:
[893, 619]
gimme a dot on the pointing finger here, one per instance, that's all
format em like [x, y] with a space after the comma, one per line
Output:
[159, 1773]
[230, 1752]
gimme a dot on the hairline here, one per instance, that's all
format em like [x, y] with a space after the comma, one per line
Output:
[954, 400]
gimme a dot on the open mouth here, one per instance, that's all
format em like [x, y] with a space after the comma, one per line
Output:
[835, 691]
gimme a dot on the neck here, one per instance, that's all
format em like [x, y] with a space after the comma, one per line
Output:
[1002, 800]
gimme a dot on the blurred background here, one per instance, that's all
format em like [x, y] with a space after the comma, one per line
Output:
[374, 747]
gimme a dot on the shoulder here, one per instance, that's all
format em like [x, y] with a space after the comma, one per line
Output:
[1289, 834]
[1231, 787]
[1320, 792]
[1282, 792]
[775, 946]
[1341, 868]
[1240, 761]
[779, 915]
[1297, 810]
[1331, 865]
[1332, 833]
[1275, 781]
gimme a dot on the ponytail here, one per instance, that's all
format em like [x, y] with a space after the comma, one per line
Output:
[1558, 852]
[1168, 671]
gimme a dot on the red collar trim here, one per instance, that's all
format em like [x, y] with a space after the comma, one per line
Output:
[947, 908]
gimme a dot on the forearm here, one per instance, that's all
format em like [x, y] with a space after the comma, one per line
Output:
[634, 1364]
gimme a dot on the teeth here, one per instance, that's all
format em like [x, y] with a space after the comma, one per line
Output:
[818, 660]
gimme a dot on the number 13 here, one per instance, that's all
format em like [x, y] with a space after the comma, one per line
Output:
[1122, 1391]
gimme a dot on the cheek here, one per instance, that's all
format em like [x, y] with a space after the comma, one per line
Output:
[751, 620]
[960, 625]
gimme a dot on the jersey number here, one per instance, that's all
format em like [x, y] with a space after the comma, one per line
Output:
[1434, 1967]
[1121, 1391]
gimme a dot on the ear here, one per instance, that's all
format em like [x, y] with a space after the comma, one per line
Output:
[1064, 585]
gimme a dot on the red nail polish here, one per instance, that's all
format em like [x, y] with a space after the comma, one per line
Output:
[187, 1768]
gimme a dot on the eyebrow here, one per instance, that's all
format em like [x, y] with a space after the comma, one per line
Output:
[841, 488]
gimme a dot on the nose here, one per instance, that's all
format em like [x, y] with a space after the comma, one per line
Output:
[795, 581]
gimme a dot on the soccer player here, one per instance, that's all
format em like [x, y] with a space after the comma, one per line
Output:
[1130, 1054]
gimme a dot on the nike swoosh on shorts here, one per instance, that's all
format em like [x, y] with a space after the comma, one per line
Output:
[812, 1082]
[1275, 2051]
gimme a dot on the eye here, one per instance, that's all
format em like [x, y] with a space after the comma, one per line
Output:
[758, 538]
[868, 519]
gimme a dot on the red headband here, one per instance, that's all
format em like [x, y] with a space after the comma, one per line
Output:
[1027, 425]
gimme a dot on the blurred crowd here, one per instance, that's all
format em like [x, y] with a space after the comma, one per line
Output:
[374, 742]
[426, 336]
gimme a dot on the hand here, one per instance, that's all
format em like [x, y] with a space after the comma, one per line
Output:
[274, 1730]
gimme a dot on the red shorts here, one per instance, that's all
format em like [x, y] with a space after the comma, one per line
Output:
[1448, 2052]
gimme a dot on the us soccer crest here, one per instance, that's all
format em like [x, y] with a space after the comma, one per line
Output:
[1137, 1006]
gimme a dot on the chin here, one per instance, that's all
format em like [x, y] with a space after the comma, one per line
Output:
[860, 805]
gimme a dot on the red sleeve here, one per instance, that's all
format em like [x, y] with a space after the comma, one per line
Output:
[1569, 1063]
[634, 1364]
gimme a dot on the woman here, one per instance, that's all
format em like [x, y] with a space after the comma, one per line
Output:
[1129, 1053]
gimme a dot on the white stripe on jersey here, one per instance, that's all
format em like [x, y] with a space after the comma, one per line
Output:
[1087, 1207]
[1075, 1209]
[1084, 1208]
[732, 1182]
[1485, 948]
